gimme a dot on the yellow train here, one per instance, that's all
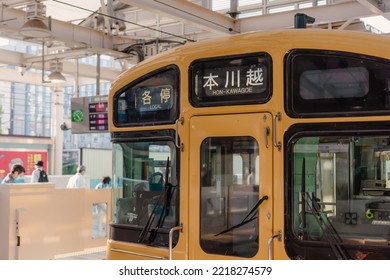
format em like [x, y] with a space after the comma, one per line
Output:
[269, 145]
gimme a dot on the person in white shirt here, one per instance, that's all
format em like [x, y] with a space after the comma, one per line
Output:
[37, 172]
[79, 180]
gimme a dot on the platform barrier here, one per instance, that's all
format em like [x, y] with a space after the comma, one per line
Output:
[39, 221]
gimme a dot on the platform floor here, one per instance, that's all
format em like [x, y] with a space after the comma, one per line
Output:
[93, 254]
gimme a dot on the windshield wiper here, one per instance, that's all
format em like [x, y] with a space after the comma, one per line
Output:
[167, 196]
[311, 203]
[248, 218]
[168, 192]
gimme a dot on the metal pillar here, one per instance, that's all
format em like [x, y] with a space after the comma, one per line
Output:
[57, 134]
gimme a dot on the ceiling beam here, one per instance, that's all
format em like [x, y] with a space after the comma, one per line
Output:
[11, 57]
[189, 13]
[340, 11]
[371, 5]
[72, 35]
[15, 58]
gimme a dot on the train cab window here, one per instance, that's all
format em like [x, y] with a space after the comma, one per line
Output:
[325, 83]
[229, 192]
[339, 202]
[154, 99]
[233, 80]
[145, 192]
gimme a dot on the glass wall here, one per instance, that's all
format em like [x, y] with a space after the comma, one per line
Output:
[25, 109]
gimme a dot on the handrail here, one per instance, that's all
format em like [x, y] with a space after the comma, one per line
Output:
[178, 145]
[270, 240]
[278, 144]
[170, 241]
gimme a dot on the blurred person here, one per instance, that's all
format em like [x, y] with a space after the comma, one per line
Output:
[205, 179]
[39, 175]
[104, 183]
[16, 175]
[102, 207]
[250, 180]
[79, 180]
[15, 161]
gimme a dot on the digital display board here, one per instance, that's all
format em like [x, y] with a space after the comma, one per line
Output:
[89, 114]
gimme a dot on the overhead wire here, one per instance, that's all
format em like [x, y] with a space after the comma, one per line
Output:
[196, 16]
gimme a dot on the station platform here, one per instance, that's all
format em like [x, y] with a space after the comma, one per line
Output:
[95, 254]
[40, 221]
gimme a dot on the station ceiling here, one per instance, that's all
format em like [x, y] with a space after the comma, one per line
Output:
[133, 30]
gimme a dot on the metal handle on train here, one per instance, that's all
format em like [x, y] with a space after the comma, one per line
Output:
[278, 144]
[278, 235]
[266, 133]
[177, 143]
[170, 241]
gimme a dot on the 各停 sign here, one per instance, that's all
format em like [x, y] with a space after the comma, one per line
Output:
[148, 99]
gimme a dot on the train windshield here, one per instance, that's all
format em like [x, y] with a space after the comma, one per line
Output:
[340, 197]
[145, 192]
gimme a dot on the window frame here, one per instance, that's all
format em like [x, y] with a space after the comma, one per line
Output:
[320, 249]
[173, 113]
[292, 94]
[130, 232]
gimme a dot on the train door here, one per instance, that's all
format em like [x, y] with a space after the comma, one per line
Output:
[230, 196]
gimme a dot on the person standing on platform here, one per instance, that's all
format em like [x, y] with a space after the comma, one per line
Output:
[104, 184]
[79, 180]
[39, 175]
[250, 180]
[17, 171]
[102, 207]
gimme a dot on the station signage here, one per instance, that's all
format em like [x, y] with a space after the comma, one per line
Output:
[229, 77]
[89, 114]
[148, 99]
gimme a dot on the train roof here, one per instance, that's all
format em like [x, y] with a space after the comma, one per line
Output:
[265, 41]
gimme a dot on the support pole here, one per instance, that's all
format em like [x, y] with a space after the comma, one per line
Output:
[57, 132]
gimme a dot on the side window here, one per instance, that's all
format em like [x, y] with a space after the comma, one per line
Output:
[325, 83]
[229, 191]
[152, 100]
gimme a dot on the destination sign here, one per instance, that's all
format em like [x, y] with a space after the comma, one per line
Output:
[234, 80]
[149, 99]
